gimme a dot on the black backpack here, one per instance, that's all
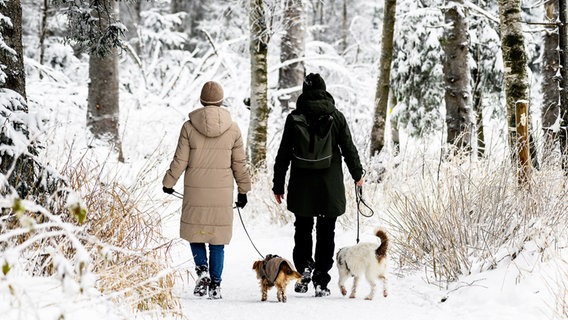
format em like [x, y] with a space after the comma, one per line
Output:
[313, 146]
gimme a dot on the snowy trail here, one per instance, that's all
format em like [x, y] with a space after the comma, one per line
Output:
[410, 297]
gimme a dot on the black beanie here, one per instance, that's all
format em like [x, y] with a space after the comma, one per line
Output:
[313, 81]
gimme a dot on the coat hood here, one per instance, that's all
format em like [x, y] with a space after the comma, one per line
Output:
[315, 103]
[211, 121]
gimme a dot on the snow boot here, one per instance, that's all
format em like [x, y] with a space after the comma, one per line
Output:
[215, 291]
[203, 281]
[302, 286]
[322, 291]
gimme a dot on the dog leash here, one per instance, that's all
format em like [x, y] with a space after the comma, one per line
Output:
[246, 231]
[180, 196]
[360, 201]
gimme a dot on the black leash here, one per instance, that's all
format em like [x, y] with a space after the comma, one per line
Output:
[248, 235]
[360, 201]
[180, 196]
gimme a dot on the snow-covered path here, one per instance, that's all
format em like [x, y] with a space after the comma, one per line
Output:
[491, 295]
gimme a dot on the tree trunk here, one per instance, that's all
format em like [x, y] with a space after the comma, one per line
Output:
[130, 17]
[194, 10]
[293, 47]
[383, 84]
[459, 114]
[515, 63]
[563, 44]
[14, 68]
[103, 95]
[259, 84]
[550, 87]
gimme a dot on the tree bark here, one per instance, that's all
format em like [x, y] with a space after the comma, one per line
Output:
[14, 70]
[515, 63]
[563, 44]
[259, 84]
[293, 47]
[459, 114]
[103, 95]
[383, 83]
[550, 80]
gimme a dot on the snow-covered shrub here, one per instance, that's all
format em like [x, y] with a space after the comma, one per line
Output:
[460, 218]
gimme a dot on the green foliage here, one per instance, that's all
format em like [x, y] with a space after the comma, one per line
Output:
[92, 27]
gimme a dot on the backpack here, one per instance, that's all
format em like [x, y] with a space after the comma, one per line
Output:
[313, 146]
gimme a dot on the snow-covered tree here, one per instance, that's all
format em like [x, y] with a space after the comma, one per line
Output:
[383, 82]
[417, 75]
[459, 115]
[292, 47]
[259, 38]
[103, 99]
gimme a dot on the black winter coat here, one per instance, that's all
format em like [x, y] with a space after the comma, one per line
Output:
[317, 192]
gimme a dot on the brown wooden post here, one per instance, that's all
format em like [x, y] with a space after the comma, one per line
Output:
[522, 122]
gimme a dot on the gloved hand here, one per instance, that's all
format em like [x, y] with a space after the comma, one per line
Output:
[168, 190]
[241, 200]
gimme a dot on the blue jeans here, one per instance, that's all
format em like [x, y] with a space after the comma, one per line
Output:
[216, 259]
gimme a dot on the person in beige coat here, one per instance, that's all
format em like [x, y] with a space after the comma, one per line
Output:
[211, 152]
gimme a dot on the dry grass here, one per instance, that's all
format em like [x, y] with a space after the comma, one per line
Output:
[464, 218]
[120, 241]
[115, 217]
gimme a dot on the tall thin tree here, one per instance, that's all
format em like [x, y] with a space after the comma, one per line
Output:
[459, 114]
[515, 62]
[550, 79]
[563, 44]
[258, 124]
[13, 61]
[292, 49]
[103, 94]
[383, 83]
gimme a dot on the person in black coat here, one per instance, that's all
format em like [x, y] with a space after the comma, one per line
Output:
[318, 193]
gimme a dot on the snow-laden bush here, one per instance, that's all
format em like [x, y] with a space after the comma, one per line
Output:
[457, 217]
[99, 237]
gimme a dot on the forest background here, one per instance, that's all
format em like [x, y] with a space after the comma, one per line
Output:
[93, 95]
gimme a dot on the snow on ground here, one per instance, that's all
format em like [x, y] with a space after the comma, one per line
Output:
[511, 292]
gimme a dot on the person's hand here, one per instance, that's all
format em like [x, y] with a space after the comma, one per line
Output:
[279, 198]
[360, 182]
[168, 190]
[241, 200]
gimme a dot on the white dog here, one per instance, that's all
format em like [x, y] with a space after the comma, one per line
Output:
[368, 259]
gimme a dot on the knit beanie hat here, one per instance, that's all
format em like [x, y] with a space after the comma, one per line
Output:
[313, 81]
[211, 94]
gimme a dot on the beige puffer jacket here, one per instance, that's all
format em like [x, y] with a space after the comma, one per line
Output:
[211, 152]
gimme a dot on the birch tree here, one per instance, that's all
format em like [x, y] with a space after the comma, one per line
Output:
[459, 114]
[103, 94]
[383, 83]
[292, 49]
[515, 62]
[259, 38]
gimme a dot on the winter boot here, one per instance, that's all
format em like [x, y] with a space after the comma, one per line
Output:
[302, 286]
[215, 291]
[203, 281]
[322, 291]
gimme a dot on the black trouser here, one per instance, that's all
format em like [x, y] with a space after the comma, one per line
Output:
[325, 246]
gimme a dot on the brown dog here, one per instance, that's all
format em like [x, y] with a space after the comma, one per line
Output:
[275, 271]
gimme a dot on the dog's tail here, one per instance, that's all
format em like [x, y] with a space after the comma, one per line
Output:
[382, 249]
[289, 270]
